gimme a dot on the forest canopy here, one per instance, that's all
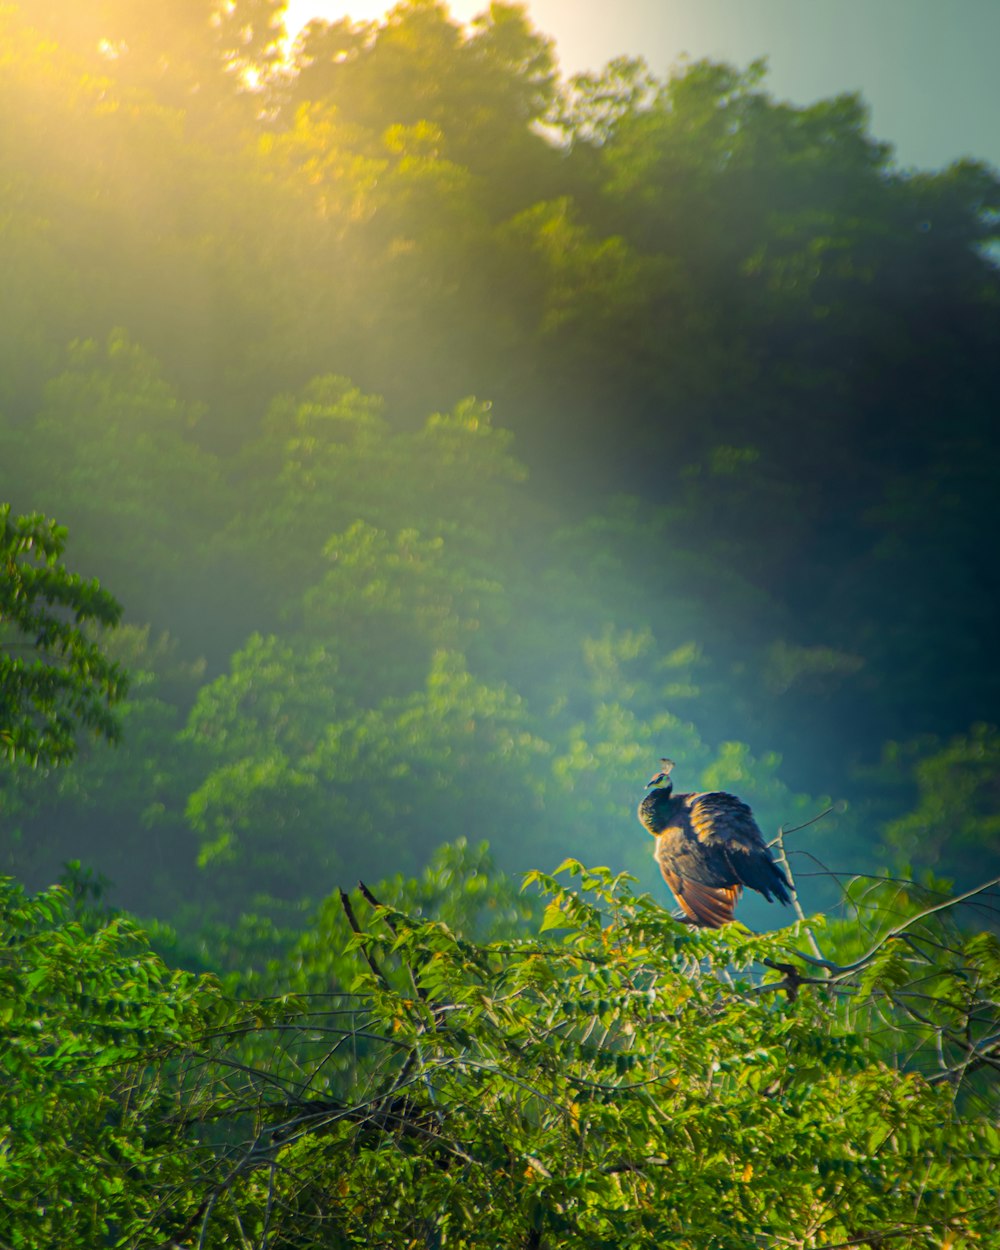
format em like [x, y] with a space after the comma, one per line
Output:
[725, 491]
[402, 448]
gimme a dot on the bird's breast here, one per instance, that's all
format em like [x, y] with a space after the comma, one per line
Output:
[656, 811]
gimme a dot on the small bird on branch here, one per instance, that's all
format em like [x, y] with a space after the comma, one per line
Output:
[708, 847]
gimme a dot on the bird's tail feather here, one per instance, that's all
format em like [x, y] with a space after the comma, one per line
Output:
[708, 905]
[759, 871]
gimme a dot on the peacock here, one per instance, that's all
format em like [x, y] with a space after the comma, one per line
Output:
[708, 847]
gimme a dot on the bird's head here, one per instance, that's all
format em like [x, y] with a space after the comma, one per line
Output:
[661, 780]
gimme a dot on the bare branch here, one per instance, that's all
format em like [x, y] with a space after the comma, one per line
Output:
[345, 902]
[843, 970]
[782, 859]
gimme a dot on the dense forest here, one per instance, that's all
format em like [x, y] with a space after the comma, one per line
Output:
[450, 441]
[726, 490]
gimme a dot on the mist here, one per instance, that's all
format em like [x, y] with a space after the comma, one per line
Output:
[461, 438]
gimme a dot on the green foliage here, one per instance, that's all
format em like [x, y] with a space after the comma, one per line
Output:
[93, 1025]
[311, 787]
[124, 809]
[751, 368]
[953, 824]
[120, 452]
[460, 887]
[196, 55]
[54, 678]
[481, 90]
[624, 1081]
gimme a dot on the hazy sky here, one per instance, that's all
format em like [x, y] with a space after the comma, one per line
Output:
[930, 69]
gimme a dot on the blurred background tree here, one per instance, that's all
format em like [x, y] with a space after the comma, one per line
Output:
[55, 680]
[724, 494]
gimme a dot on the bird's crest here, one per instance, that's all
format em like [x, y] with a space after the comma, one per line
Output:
[663, 776]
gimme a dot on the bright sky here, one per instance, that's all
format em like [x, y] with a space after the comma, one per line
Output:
[927, 67]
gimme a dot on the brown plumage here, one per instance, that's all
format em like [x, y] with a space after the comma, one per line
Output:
[708, 848]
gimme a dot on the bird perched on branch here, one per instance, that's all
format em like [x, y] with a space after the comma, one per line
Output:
[708, 848]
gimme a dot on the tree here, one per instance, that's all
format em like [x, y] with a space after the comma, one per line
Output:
[614, 1078]
[739, 311]
[120, 454]
[954, 823]
[54, 678]
[480, 90]
[92, 1024]
[304, 786]
[124, 809]
[192, 54]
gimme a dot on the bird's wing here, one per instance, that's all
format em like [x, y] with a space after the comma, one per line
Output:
[734, 845]
[723, 819]
[680, 863]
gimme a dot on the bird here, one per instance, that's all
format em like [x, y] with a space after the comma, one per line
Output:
[708, 847]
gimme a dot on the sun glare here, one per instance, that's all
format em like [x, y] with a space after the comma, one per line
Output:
[300, 12]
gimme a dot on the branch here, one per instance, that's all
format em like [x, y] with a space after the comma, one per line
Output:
[782, 831]
[874, 1238]
[792, 980]
[844, 970]
[345, 902]
[370, 898]
[782, 859]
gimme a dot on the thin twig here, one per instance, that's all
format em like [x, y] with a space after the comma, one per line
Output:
[797, 828]
[345, 902]
[265, 1236]
[370, 898]
[782, 859]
